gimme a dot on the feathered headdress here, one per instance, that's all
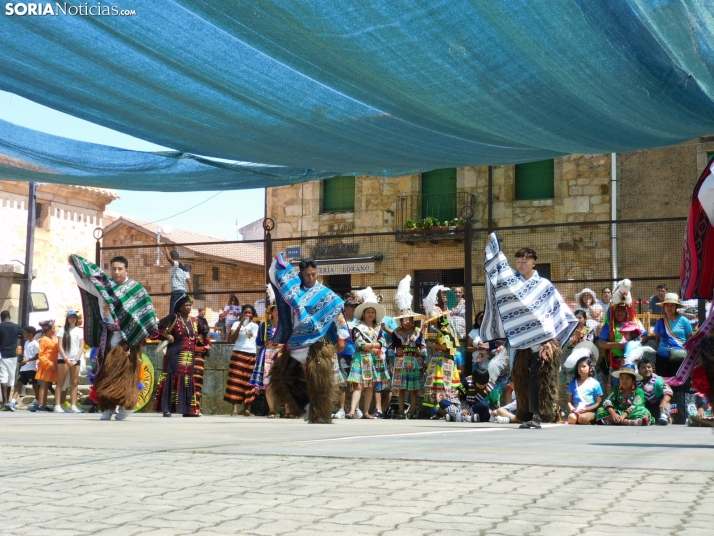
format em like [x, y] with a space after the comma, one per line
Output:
[404, 296]
[432, 299]
[271, 293]
[367, 295]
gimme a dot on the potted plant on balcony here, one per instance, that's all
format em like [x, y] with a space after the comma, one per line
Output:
[459, 223]
[429, 222]
[410, 225]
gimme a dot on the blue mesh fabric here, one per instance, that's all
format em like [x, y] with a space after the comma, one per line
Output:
[381, 88]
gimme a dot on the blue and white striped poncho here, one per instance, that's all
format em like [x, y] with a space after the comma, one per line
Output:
[305, 316]
[526, 312]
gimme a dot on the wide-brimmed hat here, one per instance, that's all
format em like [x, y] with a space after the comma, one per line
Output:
[671, 297]
[46, 325]
[410, 314]
[629, 326]
[576, 355]
[370, 304]
[586, 291]
[628, 368]
[179, 303]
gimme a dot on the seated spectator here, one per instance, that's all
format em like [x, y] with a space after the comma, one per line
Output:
[655, 306]
[480, 354]
[582, 332]
[625, 405]
[584, 392]
[604, 302]
[657, 392]
[671, 332]
[479, 394]
[630, 333]
[704, 415]
[587, 300]
[612, 341]
[507, 414]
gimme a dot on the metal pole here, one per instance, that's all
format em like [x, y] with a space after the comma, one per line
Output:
[268, 225]
[29, 254]
[490, 199]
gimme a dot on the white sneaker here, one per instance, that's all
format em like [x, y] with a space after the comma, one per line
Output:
[75, 409]
[58, 409]
[358, 414]
[123, 413]
[340, 414]
[106, 415]
[503, 420]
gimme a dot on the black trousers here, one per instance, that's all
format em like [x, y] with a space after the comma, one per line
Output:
[534, 383]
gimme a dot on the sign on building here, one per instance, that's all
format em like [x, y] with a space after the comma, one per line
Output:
[340, 269]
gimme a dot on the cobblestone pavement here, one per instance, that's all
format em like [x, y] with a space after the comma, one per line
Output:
[70, 475]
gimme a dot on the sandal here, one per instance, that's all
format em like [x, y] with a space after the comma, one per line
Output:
[367, 416]
[247, 413]
[271, 415]
[234, 414]
[349, 415]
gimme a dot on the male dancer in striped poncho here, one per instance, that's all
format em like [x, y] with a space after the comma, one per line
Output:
[527, 310]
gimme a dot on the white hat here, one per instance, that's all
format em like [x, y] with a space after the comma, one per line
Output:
[369, 300]
[671, 297]
[586, 291]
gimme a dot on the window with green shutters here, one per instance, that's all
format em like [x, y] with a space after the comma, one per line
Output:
[438, 188]
[338, 194]
[535, 180]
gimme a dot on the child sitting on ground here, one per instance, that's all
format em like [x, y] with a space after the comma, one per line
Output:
[625, 404]
[584, 391]
[479, 394]
[631, 333]
[28, 367]
[507, 414]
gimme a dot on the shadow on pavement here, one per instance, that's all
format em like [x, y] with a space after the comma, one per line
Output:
[653, 445]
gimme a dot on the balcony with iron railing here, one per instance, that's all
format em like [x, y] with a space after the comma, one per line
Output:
[432, 216]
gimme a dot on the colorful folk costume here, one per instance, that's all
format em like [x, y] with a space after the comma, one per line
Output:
[267, 355]
[176, 392]
[442, 378]
[630, 404]
[610, 332]
[369, 367]
[408, 345]
[117, 320]
[532, 315]
[203, 350]
[697, 281]
[311, 322]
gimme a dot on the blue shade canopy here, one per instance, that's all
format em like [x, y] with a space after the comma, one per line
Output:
[343, 87]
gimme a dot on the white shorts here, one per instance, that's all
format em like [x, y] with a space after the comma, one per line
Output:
[8, 366]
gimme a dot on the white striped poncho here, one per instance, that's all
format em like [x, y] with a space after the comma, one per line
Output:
[526, 312]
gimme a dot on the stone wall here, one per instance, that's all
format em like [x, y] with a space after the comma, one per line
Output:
[232, 274]
[70, 215]
[215, 377]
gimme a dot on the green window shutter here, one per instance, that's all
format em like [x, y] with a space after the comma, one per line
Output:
[438, 188]
[338, 194]
[535, 180]
[710, 157]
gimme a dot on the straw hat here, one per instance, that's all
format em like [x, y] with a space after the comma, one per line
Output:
[628, 368]
[671, 297]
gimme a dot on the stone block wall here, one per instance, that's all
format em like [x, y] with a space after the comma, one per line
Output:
[215, 377]
[70, 216]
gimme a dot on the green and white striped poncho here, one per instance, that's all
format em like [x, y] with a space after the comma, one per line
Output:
[126, 307]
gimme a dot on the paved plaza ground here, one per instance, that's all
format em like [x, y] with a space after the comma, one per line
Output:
[73, 474]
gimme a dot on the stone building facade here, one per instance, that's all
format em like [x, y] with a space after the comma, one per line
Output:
[66, 219]
[217, 268]
[651, 184]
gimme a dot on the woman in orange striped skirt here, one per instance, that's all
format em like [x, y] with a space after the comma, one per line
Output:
[244, 334]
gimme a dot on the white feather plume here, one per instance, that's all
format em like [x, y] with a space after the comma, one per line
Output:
[431, 300]
[404, 296]
[271, 293]
[367, 295]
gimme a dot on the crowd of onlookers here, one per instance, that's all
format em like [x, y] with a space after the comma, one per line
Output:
[613, 369]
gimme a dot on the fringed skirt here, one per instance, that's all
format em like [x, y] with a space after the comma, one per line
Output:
[260, 379]
[367, 369]
[238, 389]
[441, 381]
[406, 373]
[176, 392]
[340, 379]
